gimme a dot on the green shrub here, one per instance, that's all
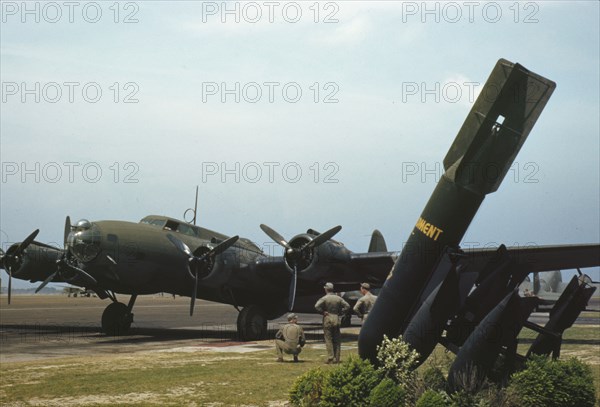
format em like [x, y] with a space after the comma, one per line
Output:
[463, 398]
[308, 388]
[350, 384]
[432, 398]
[387, 394]
[552, 383]
[434, 378]
[397, 361]
[493, 396]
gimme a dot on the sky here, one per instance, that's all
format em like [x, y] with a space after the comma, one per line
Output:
[293, 114]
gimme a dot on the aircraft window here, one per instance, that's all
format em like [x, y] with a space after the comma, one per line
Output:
[171, 225]
[186, 229]
[153, 222]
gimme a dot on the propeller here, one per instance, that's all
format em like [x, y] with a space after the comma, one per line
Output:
[10, 260]
[200, 259]
[295, 254]
[64, 266]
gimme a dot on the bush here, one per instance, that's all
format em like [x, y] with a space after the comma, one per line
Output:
[463, 398]
[397, 361]
[350, 384]
[493, 396]
[308, 388]
[552, 383]
[387, 394]
[432, 398]
[434, 378]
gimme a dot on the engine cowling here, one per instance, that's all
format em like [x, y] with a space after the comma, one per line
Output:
[298, 258]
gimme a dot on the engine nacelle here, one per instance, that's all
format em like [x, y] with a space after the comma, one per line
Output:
[36, 262]
[215, 272]
[302, 260]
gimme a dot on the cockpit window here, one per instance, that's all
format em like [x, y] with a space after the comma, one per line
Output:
[153, 222]
[171, 225]
[186, 229]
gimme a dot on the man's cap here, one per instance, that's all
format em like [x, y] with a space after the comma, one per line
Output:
[328, 286]
[292, 316]
[366, 286]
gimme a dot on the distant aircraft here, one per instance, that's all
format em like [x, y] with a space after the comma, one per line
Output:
[548, 286]
[162, 254]
[76, 292]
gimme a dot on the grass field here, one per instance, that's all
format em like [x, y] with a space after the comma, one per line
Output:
[198, 376]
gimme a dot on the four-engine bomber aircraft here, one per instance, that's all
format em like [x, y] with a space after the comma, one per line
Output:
[434, 286]
[162, 254]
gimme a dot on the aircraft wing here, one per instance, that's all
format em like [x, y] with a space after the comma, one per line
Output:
[542, 258]
[272, 273]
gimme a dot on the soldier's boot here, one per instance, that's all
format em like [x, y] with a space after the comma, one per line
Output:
[295, 358]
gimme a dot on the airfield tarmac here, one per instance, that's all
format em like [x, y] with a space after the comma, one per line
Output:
[47, 326]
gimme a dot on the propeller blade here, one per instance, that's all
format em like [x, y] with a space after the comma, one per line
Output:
[46, 281]
[292, 293]
[220, 248]
[67, 230]
[194, 292]
[26, 243]
[9, 284]
[114, 263]
[277, 238]
[88, 279]
[323, 237]
[180, 245]
[224, 245]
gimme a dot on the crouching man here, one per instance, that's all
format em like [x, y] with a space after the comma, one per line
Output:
[290, 339]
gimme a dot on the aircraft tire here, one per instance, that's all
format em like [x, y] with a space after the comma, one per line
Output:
[252, 323]
[116, 320]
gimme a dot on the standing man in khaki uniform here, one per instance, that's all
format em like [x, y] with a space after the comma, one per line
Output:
[365, 303]
[332, 307]
[290, 339]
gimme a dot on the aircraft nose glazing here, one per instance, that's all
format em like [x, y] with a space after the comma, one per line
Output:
[84, 241]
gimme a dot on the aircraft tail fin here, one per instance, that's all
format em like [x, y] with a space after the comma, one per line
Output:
[377, 243]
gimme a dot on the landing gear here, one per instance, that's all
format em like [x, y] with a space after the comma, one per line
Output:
[117, 317]
[346, 321]
[252, 323]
